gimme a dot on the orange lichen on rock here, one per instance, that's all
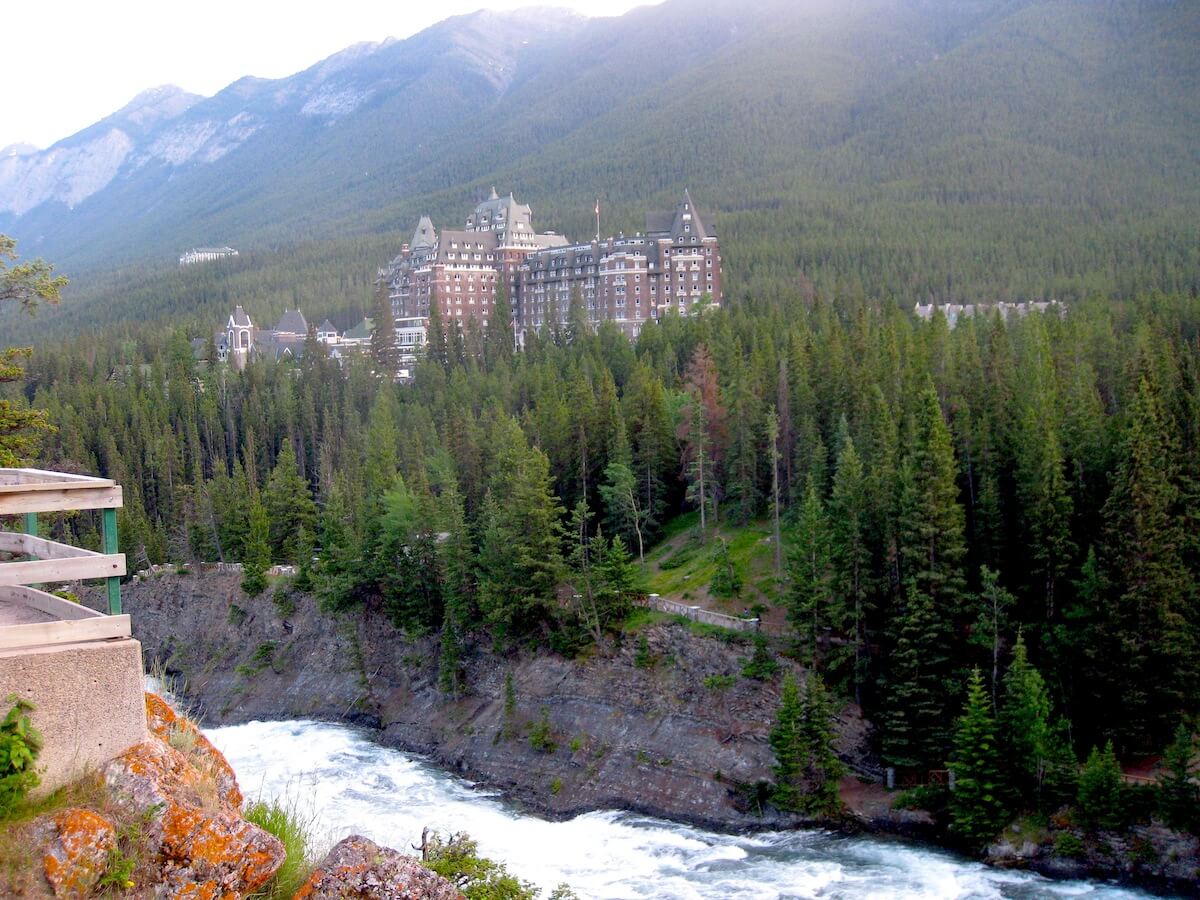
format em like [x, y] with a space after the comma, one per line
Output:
[196, 844]
[76, 851]
[171, 727]
[359, 868]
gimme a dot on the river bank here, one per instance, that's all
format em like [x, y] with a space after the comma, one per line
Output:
[673, 738]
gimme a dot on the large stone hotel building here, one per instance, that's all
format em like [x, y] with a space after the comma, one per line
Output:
[625, 280]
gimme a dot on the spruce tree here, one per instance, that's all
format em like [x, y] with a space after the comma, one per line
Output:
[27, 284]
[1025, 722]
[1178, 790]
[1148, 626]
[385, 349]
[742, 463]
[810, 602]
[978, 803]
[1060, 769]
[257, 556]
[1099, 797]
[289, 505]
[823, 769]
[787, 742]
[848, 515]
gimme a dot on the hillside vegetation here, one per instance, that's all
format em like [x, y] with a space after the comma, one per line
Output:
[895, 148]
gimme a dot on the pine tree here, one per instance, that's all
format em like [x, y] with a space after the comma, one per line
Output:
[289, 505]
[622, 502]
[823, 768]
[257, 557]
[1178, 790]
[1099, 797]
[1148, 625]
[27, 284]
[810, 603]
[932, 548]
[742, 462]
[851, 557]
[436, 346]
[521, 539]
[993, 604]
[703, 433]
[499, 340]
[773, 457]
[787, 742]
[1025, 722]
[385, 349]
[806, 766]
[978, 807]
[1060, 769]
[915, 708]
[339, 574]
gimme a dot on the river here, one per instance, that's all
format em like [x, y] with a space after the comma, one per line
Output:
[349, 784]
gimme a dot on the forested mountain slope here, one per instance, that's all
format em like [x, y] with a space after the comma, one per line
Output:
[916, 148]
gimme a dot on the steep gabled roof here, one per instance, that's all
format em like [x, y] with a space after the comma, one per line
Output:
[425, 236]
[684, 223]
[326, 327]
[239, 319]
[292, 322]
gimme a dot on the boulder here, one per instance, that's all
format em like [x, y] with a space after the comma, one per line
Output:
[75, 845]
[185, 799]
[359, 869]
[181, 732]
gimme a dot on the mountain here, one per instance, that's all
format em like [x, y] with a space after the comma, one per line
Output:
[945, 149]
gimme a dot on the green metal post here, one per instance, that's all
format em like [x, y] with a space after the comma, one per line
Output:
[110, 546]
[31, 524]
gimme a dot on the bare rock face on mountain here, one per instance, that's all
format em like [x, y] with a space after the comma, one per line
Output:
[359, 868]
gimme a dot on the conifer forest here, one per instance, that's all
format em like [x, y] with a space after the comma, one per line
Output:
[999, 511]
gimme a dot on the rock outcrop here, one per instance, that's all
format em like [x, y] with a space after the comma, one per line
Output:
[1145, 854]
[678, 738]
[76, 847]
[163, 820]
[360, 869]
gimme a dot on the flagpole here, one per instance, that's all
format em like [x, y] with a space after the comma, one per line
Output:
[597, 220]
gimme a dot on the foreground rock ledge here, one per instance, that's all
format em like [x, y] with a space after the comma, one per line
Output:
[359, 868]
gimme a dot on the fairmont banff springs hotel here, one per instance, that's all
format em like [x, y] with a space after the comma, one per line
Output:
[625, 280]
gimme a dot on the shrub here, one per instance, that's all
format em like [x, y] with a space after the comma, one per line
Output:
[1066, 844]
[541, 737]
[456, 858]
[556, 785]
[726, 580]
[642, 658]
[20, 744]
[760, 666]
[719, 682]
[294, 830]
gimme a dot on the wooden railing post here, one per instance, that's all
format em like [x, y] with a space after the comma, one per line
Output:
[110, 546]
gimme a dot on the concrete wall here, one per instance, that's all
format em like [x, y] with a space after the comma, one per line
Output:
[90, 703]
[696, 614]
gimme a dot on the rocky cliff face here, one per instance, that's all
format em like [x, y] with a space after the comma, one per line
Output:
[653, 739]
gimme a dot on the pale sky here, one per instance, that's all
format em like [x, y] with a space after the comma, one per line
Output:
[70, 63]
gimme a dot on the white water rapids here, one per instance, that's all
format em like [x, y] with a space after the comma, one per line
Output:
[352, 785]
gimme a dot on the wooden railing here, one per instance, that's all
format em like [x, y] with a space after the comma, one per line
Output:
[25, 493]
